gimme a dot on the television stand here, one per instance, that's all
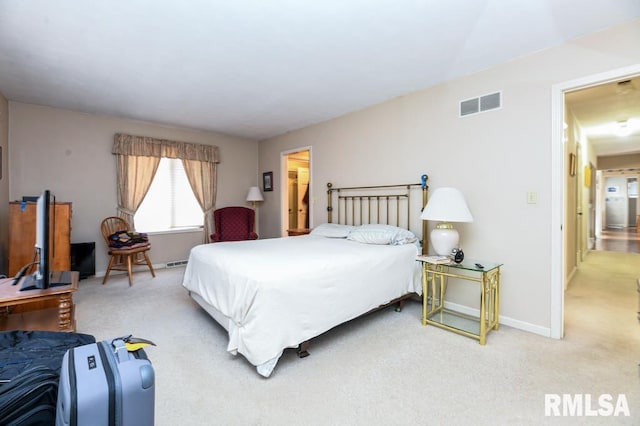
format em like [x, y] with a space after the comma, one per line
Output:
[56, 279]
[32, 309]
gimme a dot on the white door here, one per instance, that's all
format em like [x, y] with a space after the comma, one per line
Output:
[303, 204]
[293, 202]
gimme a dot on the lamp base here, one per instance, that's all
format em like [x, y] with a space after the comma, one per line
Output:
[444, 239]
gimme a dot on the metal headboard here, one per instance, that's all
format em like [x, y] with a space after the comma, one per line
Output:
[386, 204]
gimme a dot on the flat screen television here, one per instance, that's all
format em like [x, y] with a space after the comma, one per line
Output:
[40, 278]
[43, 277]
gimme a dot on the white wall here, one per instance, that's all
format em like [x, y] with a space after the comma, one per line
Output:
[495, 158]
[70, 153]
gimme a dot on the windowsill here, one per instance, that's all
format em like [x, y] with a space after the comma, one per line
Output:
[176, 231]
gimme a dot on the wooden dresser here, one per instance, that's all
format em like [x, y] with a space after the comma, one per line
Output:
[22, 236]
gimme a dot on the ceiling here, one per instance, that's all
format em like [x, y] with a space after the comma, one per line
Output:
[257, 69]
[609, 114]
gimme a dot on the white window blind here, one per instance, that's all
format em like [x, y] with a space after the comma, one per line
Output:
[170, 203]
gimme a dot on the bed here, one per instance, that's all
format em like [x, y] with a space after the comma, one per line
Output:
[279, 293]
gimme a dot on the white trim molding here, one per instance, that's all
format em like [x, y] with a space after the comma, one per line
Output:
[508, 321]
[558, 198]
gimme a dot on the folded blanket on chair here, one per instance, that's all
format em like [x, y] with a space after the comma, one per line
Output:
[126, 239]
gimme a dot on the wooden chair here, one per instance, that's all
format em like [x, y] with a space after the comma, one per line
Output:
[123, 258]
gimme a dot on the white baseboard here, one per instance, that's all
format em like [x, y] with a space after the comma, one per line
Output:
[511, 322]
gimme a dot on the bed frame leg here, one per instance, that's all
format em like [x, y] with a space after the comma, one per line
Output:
[303, 349]
[400, 305]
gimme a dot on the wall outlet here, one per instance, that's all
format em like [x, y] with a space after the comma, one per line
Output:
[532, 197]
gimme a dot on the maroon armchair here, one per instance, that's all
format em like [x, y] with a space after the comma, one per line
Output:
[233, 224]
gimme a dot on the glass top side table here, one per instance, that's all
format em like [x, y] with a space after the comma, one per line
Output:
[434, 284]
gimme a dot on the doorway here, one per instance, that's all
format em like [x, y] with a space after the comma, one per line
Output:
[296, 192]
[618, 229]
[616, 203]
[559, 196]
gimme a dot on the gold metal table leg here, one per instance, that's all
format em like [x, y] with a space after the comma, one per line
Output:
[483, 310]
[425, 294]
[497, 303]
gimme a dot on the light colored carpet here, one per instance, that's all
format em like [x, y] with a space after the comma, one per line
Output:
[385, 368]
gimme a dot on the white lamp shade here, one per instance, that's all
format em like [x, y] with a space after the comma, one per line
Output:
[254, 194]
[447, 205]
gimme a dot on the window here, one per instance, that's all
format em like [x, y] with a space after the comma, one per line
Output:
[170, 203]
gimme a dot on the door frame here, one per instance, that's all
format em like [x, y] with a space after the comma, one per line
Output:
[579, 230]
[558, 176]
[284, 177]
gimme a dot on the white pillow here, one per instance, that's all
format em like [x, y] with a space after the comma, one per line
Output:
[382, 234]
[404, 236]
[332, 230]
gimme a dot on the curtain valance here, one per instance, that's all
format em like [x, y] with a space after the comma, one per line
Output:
[144, 146]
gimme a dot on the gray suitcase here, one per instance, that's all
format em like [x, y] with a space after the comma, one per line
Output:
[105, 384]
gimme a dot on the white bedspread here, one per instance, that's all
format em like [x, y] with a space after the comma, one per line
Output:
[278, 293]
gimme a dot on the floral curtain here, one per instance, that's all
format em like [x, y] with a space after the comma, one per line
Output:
[134, 177]
[137, 161]
[202, 177]
[151, 147]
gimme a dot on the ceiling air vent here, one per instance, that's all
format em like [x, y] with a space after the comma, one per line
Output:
[481, 104]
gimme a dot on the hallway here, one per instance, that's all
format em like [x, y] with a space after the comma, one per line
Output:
[602, 299]
[602, 303]
[621, 240]
[601, 316]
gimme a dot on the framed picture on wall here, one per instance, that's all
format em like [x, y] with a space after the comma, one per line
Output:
[267, 181]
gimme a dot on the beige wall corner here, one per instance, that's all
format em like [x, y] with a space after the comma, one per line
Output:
[70, 154]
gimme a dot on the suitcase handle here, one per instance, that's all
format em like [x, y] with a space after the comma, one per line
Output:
[133, 344]
[120, 350]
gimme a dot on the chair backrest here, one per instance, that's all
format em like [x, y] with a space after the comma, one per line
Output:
[111, 225]
[234, 224]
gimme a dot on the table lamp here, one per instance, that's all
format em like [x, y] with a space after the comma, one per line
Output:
[254, 195]
[446, 205]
